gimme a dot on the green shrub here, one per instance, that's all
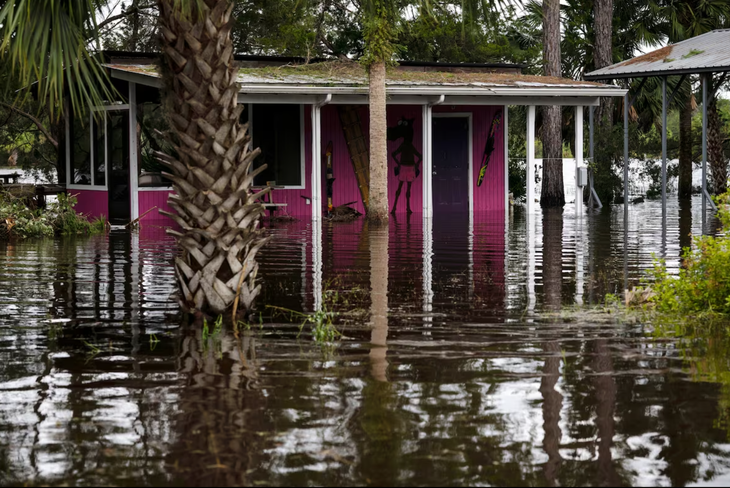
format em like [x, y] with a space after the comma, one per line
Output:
[17, 220]
[703, 284]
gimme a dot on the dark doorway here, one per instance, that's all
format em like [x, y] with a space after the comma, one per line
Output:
[117, 162]
[451, 249]
[450, 164]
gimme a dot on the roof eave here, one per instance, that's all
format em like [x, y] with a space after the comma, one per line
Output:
[598, 75]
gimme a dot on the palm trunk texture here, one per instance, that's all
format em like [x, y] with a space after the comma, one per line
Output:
[213, 204]
[378, 204]
[603, 55]
[553, 194]
[685, 149]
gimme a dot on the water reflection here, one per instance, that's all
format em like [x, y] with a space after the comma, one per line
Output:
[449, 372]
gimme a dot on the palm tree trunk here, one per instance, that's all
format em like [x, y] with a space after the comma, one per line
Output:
[603, 55]
[718, 167]
[378, 204]
[685, 149]
[553, 194]
[214, 207]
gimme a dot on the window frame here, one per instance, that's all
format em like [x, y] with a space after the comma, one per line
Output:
[69, 163]
[302, 156]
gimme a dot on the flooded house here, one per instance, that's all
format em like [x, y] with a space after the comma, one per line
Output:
[447, 136]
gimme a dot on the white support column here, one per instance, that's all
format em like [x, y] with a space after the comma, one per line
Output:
[530, 160]
[427, 272]
[530, 237]
[317, 263]
[133, 153]
[505, 124]
[317, 202]
[316, 163]
[578, 159]
[427, 172]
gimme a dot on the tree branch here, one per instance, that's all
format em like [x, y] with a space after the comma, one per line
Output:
[34, 120]
[126, 13]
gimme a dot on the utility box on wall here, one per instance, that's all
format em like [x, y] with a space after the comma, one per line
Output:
[581, 176]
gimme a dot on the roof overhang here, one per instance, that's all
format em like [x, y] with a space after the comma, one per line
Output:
[706, 53]
[408, 94]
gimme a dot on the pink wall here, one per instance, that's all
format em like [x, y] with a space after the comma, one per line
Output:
[489, 196]
[345, 187]
[150, 199]
[91, 203]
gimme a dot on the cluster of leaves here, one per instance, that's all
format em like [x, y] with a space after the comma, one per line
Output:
[18, 220]
[703, 284]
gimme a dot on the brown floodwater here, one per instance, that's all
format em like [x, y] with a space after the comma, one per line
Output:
[468, 357]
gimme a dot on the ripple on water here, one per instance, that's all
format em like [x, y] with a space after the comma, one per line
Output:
[450, 370]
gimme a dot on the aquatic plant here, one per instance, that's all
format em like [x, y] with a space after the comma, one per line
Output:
[321, 323]
[17, 220]
[703, 284]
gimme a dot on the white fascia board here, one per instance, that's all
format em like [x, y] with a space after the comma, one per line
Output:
[566, 101]
[572, 91]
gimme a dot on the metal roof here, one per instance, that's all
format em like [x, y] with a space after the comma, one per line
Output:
[348, 83]
[706, 53]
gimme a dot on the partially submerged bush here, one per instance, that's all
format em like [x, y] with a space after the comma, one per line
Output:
[58, 218]
[703, 284]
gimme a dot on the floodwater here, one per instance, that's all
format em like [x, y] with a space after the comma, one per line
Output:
[463, 361]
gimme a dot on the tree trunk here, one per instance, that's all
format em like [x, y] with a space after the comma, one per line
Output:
[378, 204]
[685, 149]
[213, 203]
[379, 300]
[553, 194]
[603, 55]
[718, 167]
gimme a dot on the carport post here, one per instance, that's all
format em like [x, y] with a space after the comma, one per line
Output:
[664, 144]
[530, 160]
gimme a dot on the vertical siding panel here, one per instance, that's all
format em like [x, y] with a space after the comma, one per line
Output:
[151, 199]
[396, 113]
[91, 203]
[345, 187]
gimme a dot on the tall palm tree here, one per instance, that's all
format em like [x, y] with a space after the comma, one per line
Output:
[603, 55]
[214, 206]
[46, 41]
[379, 30]
[553, 193]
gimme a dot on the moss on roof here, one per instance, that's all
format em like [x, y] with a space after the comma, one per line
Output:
[353, 74]
[349, 72]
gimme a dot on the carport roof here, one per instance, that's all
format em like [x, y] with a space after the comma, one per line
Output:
[706, 53]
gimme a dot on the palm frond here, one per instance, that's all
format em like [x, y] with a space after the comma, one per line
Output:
[46, 43]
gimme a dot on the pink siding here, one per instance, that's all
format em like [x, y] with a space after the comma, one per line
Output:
[489, 196]
[91, 203]
[345, 187]
[148, 200]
